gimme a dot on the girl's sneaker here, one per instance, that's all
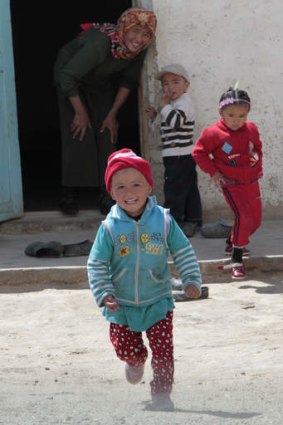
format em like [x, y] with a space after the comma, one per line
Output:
[134, 374]
[229, 248]
[238, 271]
[162, 402]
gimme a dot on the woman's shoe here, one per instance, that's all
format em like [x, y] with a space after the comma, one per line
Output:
[68, 206]
[105, 203]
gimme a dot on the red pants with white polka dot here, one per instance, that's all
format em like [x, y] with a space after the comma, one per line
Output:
[129, 347]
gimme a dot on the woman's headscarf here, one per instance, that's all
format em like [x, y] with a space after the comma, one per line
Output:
[129, 18]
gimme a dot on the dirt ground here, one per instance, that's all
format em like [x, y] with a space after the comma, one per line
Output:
[57, 365]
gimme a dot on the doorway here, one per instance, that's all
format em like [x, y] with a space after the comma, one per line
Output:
[37, 37]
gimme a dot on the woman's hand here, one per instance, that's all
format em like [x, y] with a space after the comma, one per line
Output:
[80, 124]
[81, 121]
[110, 303]
[111, 123]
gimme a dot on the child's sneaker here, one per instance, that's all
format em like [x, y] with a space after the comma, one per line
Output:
[162, 402]
[229, 248]
[238, 271]
[134, 374]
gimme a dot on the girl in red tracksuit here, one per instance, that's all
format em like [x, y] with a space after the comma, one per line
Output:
[231, 152]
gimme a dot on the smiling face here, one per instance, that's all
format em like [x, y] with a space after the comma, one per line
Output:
[174, 85]
[137, 38]
[129, 188]
[234, 116]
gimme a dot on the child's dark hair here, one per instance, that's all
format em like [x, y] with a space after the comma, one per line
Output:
[234, 96]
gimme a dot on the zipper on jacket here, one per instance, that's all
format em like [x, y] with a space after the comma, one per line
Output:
[137, 265]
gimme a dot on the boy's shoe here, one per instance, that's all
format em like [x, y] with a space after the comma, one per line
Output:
[134, 374]
[238, 271]
[162, 402]
[188, 228]
[229, 248]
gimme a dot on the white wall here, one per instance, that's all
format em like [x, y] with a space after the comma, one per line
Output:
[219, 43]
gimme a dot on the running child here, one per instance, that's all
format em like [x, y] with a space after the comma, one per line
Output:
[129, 274]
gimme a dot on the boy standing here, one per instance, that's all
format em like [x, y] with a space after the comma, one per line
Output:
[177, 129]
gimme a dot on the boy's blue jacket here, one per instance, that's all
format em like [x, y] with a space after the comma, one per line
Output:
[129, 258]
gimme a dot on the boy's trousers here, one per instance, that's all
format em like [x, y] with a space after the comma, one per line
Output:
[181, 189]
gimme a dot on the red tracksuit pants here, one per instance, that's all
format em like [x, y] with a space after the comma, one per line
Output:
[129, 347]
[245, 203]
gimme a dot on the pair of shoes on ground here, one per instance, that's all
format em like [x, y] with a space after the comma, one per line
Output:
[57, 249]
[229, 249]
[68, 206]
[180, 295]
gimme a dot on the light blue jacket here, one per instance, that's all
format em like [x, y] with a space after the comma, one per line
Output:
[129, 258]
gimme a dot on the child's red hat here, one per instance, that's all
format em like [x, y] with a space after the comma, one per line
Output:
[126, 158]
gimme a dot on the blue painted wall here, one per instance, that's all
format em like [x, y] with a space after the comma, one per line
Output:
[11, 198]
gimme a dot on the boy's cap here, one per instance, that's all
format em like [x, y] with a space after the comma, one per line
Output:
[174, 68]
[126, 158]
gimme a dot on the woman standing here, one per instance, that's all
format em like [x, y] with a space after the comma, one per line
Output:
[94, 75]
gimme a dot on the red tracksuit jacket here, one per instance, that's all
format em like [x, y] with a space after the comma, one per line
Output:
[221, 149]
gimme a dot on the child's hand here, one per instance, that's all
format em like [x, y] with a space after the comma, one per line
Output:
[151, 112]
[254, 158]
[192, 292]
[110, 303]
[216, 179]
[165, 99]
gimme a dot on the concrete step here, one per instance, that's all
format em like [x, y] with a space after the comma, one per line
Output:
[51, 221]
[17, 268]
